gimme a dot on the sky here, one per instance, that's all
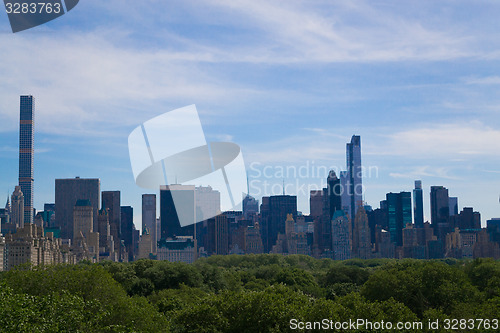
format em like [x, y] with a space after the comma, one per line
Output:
[289, 81]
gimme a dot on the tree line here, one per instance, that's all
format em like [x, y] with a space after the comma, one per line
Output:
[244, 293]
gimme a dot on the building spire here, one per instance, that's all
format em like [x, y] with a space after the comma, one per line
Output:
[283, 186]
[248, 186]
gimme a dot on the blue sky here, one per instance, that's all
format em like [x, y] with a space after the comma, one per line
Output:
[289, 81]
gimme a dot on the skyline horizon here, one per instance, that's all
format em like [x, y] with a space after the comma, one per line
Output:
[283, 188]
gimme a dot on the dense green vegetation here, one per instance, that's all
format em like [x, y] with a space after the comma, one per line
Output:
[252, 293]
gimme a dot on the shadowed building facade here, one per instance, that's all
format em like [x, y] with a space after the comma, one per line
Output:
[67, 193]
[26, 153]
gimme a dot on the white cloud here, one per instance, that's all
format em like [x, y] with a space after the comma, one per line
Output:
[425, 172]
[444, 141]
[488, 80]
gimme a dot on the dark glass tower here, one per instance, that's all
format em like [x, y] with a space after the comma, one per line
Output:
[26, 152]
[274, 211]
[354, 170]
[111, 201]
[177, 203]
[398, 214]
[418, 204]
[440, 205]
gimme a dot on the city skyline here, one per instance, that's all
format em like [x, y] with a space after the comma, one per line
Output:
[417, 82]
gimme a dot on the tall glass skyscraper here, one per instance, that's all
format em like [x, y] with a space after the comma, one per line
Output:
[418, 204]
[398, 214]
[355, 187]
[26, 152]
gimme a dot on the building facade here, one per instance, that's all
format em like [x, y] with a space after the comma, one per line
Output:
[67, 193]
[26, 154]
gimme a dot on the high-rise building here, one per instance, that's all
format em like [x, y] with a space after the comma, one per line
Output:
[177, 203]
[274, 211]
[207, 202]
[398, 214]
[418, 204]
[316, 203]
[341, 236]
[17, 208]
[440, 211]
[334, 194]
[331, 202]
[111, 201]
[345, 197]
[221, 235]
[86, 241]
[82, 219]
[26, 153]
[250, 206]
[453, 204]
[361, 236]
[106, 240]
[127, 232]
[67, 193]
[355, 174]
[149, 220]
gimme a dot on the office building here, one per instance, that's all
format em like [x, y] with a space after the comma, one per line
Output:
[207, 202]
[85, 240]
[355, 174]
[67, 193]
[83, 223]
[253, 239]
[17, 208]
[398, 214]
[316, 203]
[274, 211]
[106, 240]
[221, 235]
[177, 210]
[418, 205]
[111, 201]
[145, 245]
[250, 207]
[341, 236]
[361, 236]
[440, 205]
[440, 212]
[127, 232]
[149, 219]
[453, 205]
[26, 154]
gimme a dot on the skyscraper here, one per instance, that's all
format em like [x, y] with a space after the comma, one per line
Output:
[149, 219]
[177, 203]
[398, 214]
[274, 211]
[418, 205]
[67, 193]
[354, 173]
[334, 194]
[26, 152]
[341, 236]
[453, 205]
[361, 236]
[250, 206]
[17, 208]
[440, 201]
[111, 202]
[128, 228]
[331, 203]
